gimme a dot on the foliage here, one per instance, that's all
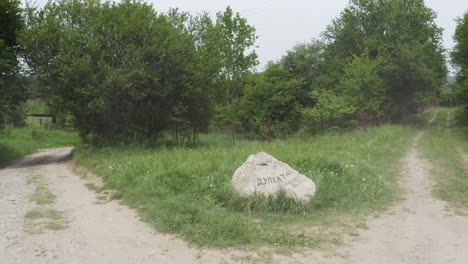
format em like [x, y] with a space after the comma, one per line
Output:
[278, 95]
[271, 98]
[126, 72]
[364, 88]
[376, 62]
[329, 108]
[404, 35]
[187, 191]
[11, 92]
[460, 57]
[36, 130]
[235, 37]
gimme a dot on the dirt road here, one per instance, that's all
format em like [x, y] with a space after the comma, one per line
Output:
[419, 229]
[95, 232]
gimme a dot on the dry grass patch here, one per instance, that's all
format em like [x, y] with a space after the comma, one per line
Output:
[39, 219]
[42, 195]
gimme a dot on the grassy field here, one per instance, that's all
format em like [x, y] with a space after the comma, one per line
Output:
[18, 142]
[446, 145]
[187, 191]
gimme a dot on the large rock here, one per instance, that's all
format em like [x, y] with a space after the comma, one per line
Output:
[264, 174]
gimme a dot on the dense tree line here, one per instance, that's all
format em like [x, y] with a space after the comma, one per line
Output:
[126, 72]
[11, 91]
[372, 64]
[460, 58]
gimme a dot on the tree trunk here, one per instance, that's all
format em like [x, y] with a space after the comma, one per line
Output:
[363, 119]
[270, 132]
[233, 135]
[321, 123]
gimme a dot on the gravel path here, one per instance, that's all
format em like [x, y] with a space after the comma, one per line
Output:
[13, 205]
[96, 232]
[418, 230]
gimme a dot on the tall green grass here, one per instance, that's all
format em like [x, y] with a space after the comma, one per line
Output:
[446, 144]
[18, 142]
[187, 191]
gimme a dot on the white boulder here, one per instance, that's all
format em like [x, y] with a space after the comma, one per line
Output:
[264, 174]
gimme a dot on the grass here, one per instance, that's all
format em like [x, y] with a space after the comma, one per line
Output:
[187, 191]
[41, 218]
[15, 143]
[446, 145]
[42, 195]
[47, 213]
[36, 220]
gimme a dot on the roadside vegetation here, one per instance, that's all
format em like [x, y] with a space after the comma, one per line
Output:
[446, 144]
[168, 104]
[187, 191]
[18, 142]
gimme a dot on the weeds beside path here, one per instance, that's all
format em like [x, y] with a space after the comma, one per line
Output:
[187, 191]
[446, 145]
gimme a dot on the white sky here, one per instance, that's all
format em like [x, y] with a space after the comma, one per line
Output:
[281, 24]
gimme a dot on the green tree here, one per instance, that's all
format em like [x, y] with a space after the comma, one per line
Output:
[122, 70]
[304, 61]
[360, 95]
[233, 41]
[11, 23]
[276, 99]
[460, 57]
[364, 88]
[127, 72]
[271, 99]
[404, 34]
[329, 109]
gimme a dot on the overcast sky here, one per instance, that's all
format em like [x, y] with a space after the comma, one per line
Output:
[281, 24]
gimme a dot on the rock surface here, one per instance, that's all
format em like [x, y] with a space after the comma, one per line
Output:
[264, 174]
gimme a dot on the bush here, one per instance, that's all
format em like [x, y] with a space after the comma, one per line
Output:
[37, 132]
